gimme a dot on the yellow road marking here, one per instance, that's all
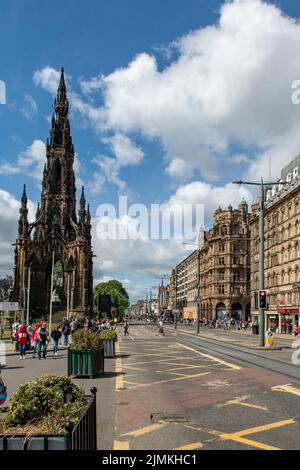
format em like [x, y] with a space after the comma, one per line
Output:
[265, 427]
[238, 436]
[193, 446]
[159, 360]
[145, 430]
[288, 388]
[135, 368]
[249, 442]
[166, 381]
[239, 401]
[220, 361]
[118, 368]
[121, 445]
[187, 366]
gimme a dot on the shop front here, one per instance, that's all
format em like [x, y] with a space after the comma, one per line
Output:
[272, 322]
[288, 318]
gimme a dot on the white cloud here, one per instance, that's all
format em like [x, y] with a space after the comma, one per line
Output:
[29, 109]
[47, 78]
[9, 209]
[143, 256]
[30, 162]
[230, 87]
[125, 153]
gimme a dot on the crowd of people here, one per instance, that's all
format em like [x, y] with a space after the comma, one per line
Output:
[36, 339]
[225, 323]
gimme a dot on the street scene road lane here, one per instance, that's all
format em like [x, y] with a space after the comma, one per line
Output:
[187, 397]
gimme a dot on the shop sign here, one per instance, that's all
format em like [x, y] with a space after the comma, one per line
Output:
[288, 310]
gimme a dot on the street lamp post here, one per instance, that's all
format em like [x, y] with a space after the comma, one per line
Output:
[261, 240]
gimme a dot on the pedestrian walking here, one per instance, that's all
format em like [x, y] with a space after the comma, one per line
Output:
[56, 335]
[22, 338]
[66, 330]
[35, 339]
[43, 340]
[126, 326]
[160, 328]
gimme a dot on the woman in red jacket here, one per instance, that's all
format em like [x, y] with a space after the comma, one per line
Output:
[22, 337]
[35, 339]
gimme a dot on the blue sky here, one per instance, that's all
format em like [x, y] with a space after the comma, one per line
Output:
[193, 92]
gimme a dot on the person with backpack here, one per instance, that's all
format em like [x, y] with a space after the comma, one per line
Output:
[66, 330]
[22, 338]
[56, 335]
[43, 340]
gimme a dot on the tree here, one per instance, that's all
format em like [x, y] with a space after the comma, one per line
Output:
[118, 295]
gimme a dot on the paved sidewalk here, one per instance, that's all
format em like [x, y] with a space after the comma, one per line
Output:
[17, 372]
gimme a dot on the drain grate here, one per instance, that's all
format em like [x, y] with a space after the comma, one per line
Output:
[169, 418]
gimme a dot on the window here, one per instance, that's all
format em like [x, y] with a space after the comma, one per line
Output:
[235, 230]
[236, 247]
[221, 260]
[221, 248]
[236, 260]
[221, 289]
[221, 275]
[236, 275]
[236, 289]
[223, 230]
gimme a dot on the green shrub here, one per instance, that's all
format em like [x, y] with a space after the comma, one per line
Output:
[109, 335]
[45, 403]
[81, 339]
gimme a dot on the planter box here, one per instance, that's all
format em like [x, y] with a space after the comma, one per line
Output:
[85, 362]
[82, 436]
[109, 348]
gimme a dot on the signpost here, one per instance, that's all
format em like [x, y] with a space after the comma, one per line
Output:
[7, 307]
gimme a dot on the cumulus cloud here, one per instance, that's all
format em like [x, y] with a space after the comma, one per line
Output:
[125, 153]
[9, 209]
[29, 162]
[229, 87]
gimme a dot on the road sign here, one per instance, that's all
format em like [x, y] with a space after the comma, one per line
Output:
[9, 306]
[198, 300]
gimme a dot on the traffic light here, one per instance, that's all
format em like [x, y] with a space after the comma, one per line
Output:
[263, 304]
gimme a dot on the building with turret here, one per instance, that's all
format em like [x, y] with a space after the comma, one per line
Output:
[58, 234]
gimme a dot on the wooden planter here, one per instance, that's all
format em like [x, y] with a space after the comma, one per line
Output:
[82, 436]
[109, 348]
[85, 362]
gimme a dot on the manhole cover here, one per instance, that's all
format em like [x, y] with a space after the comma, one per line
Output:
[169, 418]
